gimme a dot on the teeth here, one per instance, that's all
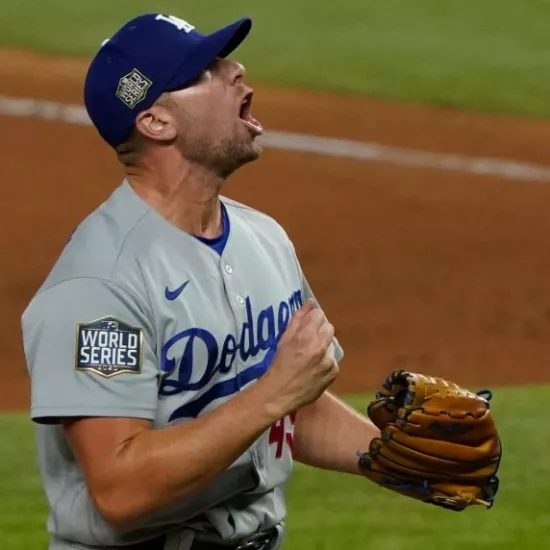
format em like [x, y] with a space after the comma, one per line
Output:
[245, 106]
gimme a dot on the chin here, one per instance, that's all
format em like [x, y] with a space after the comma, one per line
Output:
[256, 150]
[248, 152]
[234, 162]
[236, 154]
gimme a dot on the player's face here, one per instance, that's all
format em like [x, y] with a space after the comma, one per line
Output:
[215, 127]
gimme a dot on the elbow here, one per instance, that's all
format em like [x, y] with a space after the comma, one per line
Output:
[118, 509]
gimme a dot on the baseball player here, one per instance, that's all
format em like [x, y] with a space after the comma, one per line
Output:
[178, 359]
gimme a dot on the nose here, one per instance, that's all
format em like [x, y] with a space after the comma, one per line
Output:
[235, 71]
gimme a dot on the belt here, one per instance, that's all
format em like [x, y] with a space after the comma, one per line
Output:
[264, 540]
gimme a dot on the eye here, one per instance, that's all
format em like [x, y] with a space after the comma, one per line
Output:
[214, 66]
[203, 75]
[207, 73]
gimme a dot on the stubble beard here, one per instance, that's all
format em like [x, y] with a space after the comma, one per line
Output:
[225, 157]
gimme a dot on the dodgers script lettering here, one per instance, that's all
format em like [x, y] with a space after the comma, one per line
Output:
[254, 344]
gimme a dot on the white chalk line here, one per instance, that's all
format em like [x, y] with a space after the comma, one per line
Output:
[373, 152]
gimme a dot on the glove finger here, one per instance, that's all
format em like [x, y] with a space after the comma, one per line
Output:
[454, 496]
[382, 412]
[485, 452]
[401, 469]
[374, 471]
[405, 460]
[402, 388]
[417, 460]
[458, 426]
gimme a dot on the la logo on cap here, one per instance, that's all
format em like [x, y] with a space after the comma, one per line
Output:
[132, 88]
[177, 22]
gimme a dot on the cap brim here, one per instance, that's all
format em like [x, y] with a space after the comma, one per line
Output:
[230, 37]
[218, 44]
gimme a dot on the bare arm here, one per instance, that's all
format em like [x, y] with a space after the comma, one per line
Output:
[328, 434]
[132, 470]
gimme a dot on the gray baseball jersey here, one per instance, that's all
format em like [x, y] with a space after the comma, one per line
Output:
[139, 319]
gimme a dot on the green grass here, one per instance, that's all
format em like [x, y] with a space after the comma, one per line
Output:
[22, 505]
[334, 511]
[489, 55]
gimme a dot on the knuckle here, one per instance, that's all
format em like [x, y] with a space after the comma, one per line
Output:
[326, 362]
[313, 318]
[318, 352]
[327, 327]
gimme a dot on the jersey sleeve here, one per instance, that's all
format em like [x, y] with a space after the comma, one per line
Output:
[90, 351]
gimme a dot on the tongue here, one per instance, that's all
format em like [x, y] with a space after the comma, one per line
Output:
[253, 124]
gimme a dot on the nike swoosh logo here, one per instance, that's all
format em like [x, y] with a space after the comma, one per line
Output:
[174, 294]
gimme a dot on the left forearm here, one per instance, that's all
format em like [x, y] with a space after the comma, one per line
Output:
[328, 434]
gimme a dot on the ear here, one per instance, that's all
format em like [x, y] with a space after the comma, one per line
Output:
[157, 123]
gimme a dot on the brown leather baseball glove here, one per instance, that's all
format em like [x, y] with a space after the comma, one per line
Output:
[439, 442]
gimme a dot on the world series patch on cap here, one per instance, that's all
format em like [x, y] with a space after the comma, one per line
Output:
[132, 88]
[108, 347]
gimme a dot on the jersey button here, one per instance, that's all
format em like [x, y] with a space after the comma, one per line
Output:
[228, 269]
[240, 299]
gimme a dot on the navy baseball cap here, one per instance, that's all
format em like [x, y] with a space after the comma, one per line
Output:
[151, 54]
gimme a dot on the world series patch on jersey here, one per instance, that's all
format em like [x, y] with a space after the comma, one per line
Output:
[108, 347]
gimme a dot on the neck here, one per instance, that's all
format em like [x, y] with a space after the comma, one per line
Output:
[185, 193]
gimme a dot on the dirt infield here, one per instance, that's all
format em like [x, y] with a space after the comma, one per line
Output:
[446, 272]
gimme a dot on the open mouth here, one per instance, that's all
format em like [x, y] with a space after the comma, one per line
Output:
[252, 124]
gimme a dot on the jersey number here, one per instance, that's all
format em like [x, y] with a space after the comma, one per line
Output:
[281, 436]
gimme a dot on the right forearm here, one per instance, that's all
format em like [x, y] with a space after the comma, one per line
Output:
[159, 467]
